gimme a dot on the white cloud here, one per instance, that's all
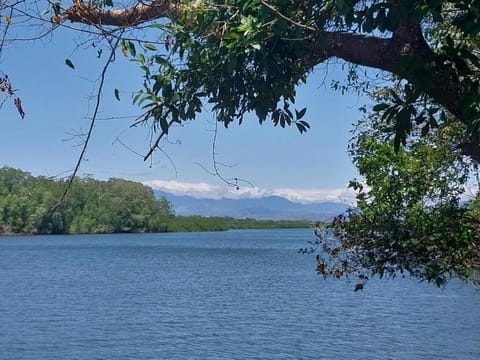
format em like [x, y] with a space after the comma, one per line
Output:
[316, 195]
[201, 190]
[205, 190]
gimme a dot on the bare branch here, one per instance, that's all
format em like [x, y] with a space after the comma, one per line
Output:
[90, 130]
[230, 182]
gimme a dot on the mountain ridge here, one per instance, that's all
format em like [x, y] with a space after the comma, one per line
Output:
[263, 208]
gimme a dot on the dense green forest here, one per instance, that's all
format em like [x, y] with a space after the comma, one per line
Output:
[94, 206]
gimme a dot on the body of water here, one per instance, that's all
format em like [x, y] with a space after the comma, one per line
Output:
[243, 294]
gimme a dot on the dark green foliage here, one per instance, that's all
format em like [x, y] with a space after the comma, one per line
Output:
[92, 206]
[414, 213]
[228, 58]
[215, 223]
[240, 57]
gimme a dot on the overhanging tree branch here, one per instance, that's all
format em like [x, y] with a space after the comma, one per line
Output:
[384, 53]
[89, 14]
[376, 52]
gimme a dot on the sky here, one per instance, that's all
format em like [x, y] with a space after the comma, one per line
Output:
[58, 102]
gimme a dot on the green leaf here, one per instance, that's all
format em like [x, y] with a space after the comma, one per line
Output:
[161, 61]
[389, 114]
[69, 63]
[231, 35]
[305, 124]
[396, 97]
[131, 48]
[367, 25]
[137, 97]
[342, 6]
[300, 114]
[157, 26]
[404, 120]
[300, 128]
[380, 107]
[381, 20]
[117, 94]
[149, 46]
[56, 8]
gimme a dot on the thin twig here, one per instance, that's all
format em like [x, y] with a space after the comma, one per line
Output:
[118, 140]
[5, 32]
[90, 130]
[155, 144]
[291, 21]
[230, 182]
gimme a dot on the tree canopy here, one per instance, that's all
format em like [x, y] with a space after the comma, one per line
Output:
[92, 206]
[417, 210]
[248, 56]
[417, 148]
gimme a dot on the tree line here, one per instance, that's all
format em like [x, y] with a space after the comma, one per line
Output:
[93, 206]
[27, 206]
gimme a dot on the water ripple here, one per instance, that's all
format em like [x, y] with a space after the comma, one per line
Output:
[230, 295]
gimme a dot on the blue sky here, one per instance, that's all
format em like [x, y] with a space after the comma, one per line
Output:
[58, 103]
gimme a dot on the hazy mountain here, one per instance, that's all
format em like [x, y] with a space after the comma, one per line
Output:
[271, 207]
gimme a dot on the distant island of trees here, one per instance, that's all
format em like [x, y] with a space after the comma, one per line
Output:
[94, 206]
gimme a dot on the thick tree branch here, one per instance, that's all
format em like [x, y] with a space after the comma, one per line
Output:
[89, 14]
[386, 54]
[359, 49]
[370, 51]
[471, 149]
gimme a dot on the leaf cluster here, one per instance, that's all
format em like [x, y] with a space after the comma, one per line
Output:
[236, 58]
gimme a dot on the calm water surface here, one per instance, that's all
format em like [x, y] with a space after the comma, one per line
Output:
[242, 294]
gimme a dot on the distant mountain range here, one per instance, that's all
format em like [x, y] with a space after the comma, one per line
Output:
[265, 208]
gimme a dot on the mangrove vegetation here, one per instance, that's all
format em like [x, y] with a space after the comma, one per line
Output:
[29, 205]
